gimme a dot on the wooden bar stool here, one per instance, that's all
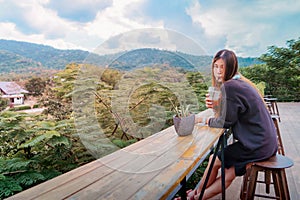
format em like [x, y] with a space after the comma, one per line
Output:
[275, 167]
[272, 106]
[275, 119]
[269, 106]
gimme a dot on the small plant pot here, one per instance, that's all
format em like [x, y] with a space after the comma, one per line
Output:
[184, 125]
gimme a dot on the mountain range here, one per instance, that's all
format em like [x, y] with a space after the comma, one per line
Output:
[21, 57]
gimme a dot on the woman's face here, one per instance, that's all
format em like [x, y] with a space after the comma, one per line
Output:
[219, 70]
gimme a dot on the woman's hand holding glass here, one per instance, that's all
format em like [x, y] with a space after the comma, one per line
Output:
[208, 101]
[212, 98]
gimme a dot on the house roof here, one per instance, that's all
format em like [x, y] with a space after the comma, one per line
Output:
[9, 88]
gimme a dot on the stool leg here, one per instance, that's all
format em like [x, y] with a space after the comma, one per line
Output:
[269, 107]
[282, 178]
[277, 111]
[273, 107]
[252, 183]
[244, 186]
[276, 182]
[280, 145]
[267, 180]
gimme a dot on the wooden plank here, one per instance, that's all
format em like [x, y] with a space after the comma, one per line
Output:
[65, 181]
[162, 135]
[66, 190]
[33, 192]
[107, 184]
[168, 179]
[131, 186]
[126, 162]
[204, 138]
[138, 170]
[157, 143]
[103, 180]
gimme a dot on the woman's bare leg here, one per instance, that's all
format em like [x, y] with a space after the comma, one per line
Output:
[213, 175]
[211, 179]
[216, 187]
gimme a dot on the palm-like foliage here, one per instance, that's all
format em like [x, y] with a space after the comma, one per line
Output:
[33, 151]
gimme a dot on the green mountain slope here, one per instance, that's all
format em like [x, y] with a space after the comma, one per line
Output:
[48, 56]
[11, 62]
[19, 57]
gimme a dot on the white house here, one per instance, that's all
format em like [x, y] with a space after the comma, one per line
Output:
[13, 92]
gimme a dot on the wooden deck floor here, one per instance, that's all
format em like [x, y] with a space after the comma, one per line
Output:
[290, 133]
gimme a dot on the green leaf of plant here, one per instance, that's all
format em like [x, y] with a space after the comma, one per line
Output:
[8, 188]
[16, 164]
[50, 134]
[33, 141]
[36, 140]
[29, 178]
[59, 141]
[2, 177]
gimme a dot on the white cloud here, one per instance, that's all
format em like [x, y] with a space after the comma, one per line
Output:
[220, 22]
[78, 10]
[150, 38]
[49, 28]
[247, 29]
[44, 25]
[10, 32]
[44, 20]
[114, 20]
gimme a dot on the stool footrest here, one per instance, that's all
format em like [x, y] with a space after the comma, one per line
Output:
[263, 182]
[265, 196]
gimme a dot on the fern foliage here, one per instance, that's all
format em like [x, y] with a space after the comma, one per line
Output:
[36, 149]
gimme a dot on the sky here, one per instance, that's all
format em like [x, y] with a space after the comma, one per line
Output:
[246, 27]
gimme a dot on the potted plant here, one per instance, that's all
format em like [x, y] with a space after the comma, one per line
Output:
[183, 120]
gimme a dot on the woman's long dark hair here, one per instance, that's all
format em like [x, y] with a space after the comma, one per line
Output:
[231, 64]
[231, 68]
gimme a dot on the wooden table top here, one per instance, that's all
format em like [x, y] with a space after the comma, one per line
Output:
[149, 169]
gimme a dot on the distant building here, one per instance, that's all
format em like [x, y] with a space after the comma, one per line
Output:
[13, 92]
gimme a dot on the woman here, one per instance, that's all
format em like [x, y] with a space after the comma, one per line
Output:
[243, 110]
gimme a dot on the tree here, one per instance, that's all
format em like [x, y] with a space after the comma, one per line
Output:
[256, 73]
[3, 103]
[35, 86]
[111, 76]
[57, 97]
[196, 80]
[283, 71]
[280, 73]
